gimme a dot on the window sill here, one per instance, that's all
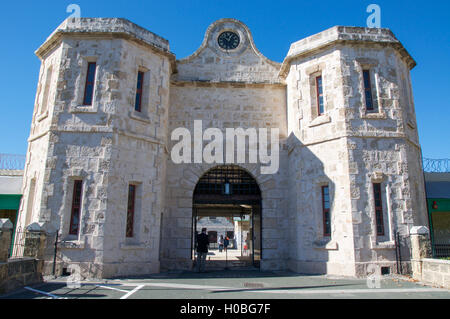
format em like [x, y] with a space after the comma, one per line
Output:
[42, 116]
[70, 243]
[321, 119]
[139, 116]
[374, 116]
[132, 246]
[382, 245]
[325, 243]
[83, 108]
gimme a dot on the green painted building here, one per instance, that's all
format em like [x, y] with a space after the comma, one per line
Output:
[10, 195]
[438, 201]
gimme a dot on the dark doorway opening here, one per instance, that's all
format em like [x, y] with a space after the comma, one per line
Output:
[227, 201]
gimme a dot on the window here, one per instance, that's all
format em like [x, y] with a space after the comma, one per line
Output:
[90, 81]
[368, 91]
[378, 209]
[45, 98]
[130, 210]
[139, 91]
[326, 211]
[319, 91]
[76, 208]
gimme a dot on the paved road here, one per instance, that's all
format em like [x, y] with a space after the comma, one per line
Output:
[232, 284]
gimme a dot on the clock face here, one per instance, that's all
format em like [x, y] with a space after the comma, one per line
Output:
[228, 40]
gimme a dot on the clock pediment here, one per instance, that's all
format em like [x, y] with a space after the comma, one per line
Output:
[227, 54]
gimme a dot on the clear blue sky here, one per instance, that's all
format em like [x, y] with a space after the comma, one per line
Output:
[422, 26]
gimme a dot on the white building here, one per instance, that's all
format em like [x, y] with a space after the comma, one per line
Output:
[110, 94]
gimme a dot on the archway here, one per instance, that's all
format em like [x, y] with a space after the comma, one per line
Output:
[227, 201]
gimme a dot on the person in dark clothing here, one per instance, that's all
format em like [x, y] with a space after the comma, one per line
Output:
[202, 250]
[226, 242]
[220, 242]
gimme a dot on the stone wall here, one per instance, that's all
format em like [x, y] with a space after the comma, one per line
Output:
[436, 272]
[108, 145]
[27, 270]
[17, 273]
[225, 90]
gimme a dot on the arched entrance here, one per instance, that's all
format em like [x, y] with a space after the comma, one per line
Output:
[227, 201]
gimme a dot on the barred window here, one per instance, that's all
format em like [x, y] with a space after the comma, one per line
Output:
[139, 91]
[89, 86]
[378, 209]
[319, 92]
[326, 211]
[131, 210]
[76, 207]
[368, 91]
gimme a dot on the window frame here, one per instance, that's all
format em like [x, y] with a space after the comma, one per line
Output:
[139, 91]
[77, 196]
[368, 89]
[131, 210]
[89, 82]
[47, 89]
[379, 218]
[320, 95]
[326, 215]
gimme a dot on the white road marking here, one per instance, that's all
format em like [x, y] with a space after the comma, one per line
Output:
[289, 291]
[112, 288]
[44, 293]
[132, 292]
[270, 290]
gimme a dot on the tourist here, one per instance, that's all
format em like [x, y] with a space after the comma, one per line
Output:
[220, 242]
[226, 242]
[202, 250]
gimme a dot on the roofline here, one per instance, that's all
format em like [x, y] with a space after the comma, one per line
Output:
[343, 35]
[207, 33]
[122, 29]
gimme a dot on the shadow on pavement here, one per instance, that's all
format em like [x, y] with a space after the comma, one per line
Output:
[230, 273]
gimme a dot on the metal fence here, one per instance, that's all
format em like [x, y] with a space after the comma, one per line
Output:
[441, 249]
[12, 161]
[17, 244]
[436, 165]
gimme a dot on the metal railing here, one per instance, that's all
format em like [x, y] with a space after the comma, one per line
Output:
[17, 244]
[441, 249]
[436, 165]
[12, 161]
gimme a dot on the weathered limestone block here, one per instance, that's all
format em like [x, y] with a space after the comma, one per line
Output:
[420, 242]
[421, 248]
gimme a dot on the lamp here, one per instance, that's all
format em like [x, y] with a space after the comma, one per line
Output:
[227, 188]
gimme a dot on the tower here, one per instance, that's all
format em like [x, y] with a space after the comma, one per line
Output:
[96, 159]
[355, 156]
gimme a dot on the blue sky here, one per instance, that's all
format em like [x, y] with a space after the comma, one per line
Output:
[422, 26]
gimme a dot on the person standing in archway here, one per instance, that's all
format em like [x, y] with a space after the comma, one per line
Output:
[226, 243]
[202, 250]
[220, 242]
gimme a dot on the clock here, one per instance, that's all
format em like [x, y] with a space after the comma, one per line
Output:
[228, 40]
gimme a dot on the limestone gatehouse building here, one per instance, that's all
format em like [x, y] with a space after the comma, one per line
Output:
[99, 169]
